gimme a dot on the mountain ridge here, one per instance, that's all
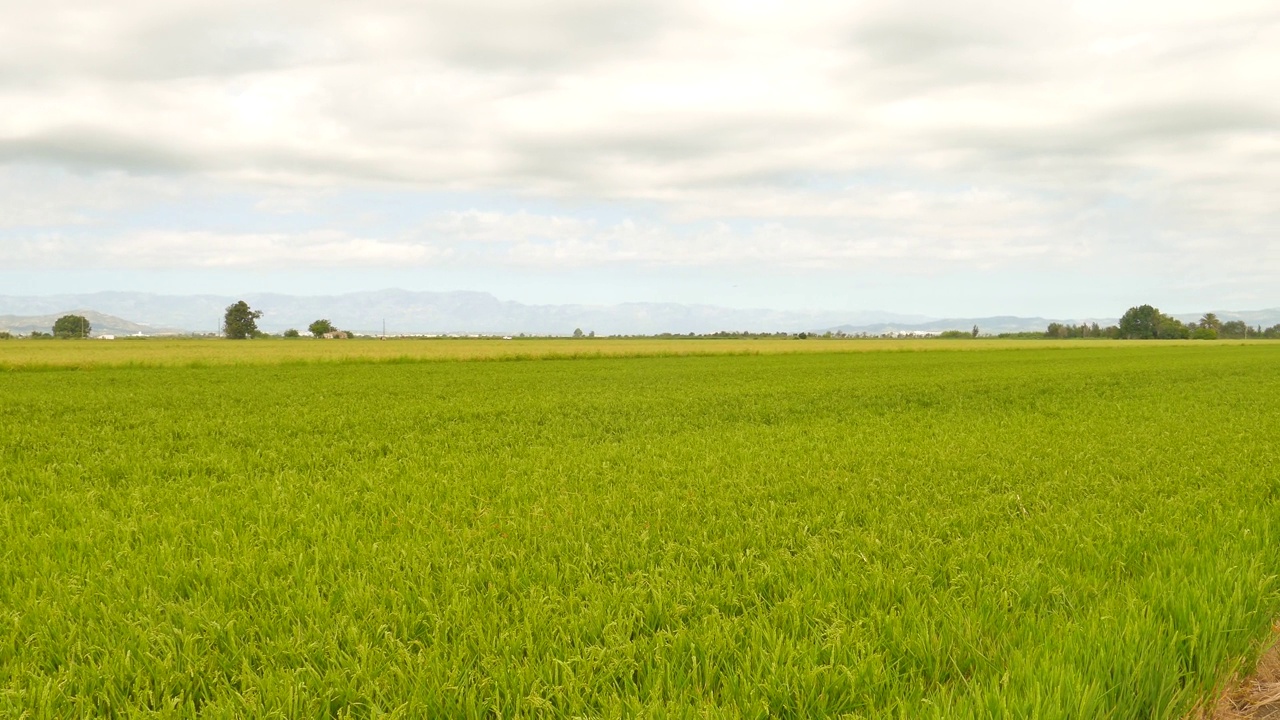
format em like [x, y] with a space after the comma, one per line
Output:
[425, 312]
[99, 324]
[417, 312]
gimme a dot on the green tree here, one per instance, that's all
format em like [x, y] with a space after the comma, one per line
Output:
[1146, 323]
[69, 326]
[320, 327]
[291, 333]
[577, 332]
[6, 335]
[1235, 329]
[1211, 321]
[1171, 328]
[241, 322]
[1139, 323]
[975, 331]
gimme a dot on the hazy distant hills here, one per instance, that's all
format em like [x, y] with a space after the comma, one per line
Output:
[986, 325]
[1010, 324]
[99, 324]
[1252, 318]
[477, 312]
[437, 312]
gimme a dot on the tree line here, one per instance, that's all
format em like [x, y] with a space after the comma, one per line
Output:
[241, 323]
[1142, 322]
[1145, 322]
[67, 326]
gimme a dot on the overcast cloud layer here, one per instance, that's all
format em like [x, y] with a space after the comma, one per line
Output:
[1049, 157]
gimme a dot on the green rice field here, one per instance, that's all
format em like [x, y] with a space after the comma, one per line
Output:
[34, 355]
[1034, 530]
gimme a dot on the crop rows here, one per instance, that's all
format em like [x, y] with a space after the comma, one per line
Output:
[195, 353]
[1025, 533]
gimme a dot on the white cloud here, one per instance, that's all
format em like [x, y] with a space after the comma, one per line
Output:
[163, 250]
[981, 134]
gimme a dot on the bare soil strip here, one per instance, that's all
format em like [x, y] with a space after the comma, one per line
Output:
[1257, 696]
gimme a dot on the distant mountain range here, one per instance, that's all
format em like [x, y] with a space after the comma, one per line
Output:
[405, 312]
[1012, 324]
[99, 324]
[434, 312]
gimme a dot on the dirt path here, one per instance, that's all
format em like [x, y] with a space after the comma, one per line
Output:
[1258, 696]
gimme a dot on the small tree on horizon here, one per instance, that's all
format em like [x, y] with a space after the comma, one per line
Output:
[1145, 322]
[241, 322]
[320, 327]
[1234, 329]
[69, 326]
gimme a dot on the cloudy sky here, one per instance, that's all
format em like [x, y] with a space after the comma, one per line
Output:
[1054, 158]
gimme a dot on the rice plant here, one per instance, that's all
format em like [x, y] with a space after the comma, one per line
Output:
[1035, 533]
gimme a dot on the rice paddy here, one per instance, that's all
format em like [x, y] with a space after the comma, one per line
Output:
[1083, 530]
[49, 354]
